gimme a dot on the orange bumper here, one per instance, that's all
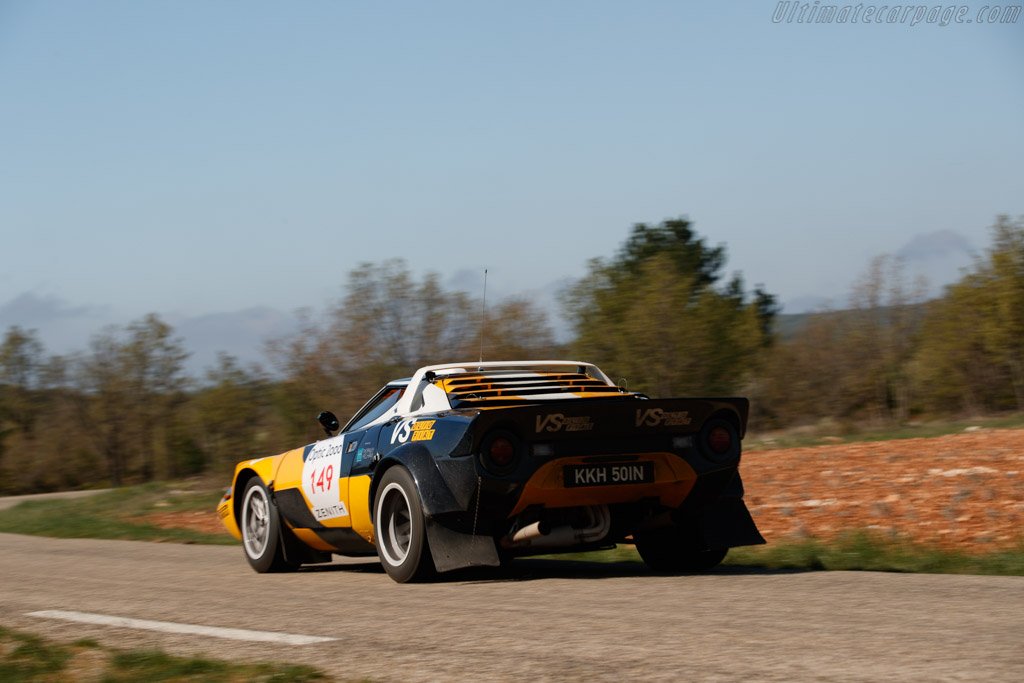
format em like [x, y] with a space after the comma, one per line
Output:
[673, 480]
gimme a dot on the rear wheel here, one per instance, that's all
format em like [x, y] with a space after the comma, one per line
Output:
[261, 531]
[399, 528]
[667, 550]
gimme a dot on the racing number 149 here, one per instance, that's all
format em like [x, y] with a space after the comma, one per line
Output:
[323, 481]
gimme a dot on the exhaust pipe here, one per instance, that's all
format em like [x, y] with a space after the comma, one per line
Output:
[541, 535]
[530, 532]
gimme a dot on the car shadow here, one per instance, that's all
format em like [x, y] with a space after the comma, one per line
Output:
[538, 569]
[535, 569]
[347, 565]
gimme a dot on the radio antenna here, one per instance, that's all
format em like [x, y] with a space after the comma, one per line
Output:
[483, 317]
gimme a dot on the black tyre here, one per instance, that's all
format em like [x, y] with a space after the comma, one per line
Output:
[399, 528]
[261, 530]
[666, 550]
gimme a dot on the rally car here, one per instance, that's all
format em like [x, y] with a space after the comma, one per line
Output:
[470, 464]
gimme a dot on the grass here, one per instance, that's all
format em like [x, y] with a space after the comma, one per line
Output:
[119, 514]
[155, 665]
[854, 551]
[861, 550]
[830, 432]
[25, 657]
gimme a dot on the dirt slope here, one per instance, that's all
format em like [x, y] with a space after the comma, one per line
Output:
[962, 491]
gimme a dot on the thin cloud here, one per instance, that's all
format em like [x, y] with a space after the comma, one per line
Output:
[242, 334]
[30, 309]
[940, 244]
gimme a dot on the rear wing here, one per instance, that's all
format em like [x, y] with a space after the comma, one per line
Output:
[508, 383]
[432, 371]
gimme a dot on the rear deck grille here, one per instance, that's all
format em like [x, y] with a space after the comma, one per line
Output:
[488, 388]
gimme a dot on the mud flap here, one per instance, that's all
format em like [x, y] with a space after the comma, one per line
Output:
[726, 523]
[454, 550]
[297, 552]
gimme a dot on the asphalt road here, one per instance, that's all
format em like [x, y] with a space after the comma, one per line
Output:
[542, 620]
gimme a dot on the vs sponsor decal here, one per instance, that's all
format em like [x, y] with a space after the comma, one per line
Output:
[320, 474]
[413, 430]
[655, 417]
[557, 422]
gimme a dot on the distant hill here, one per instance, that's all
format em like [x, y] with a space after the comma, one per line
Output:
[788, 325]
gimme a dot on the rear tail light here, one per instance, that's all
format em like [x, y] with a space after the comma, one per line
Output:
[719, 440]
[499, 452]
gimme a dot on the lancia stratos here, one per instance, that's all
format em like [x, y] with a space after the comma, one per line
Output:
[472, 464]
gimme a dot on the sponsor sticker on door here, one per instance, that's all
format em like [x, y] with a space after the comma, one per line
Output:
[320, 474]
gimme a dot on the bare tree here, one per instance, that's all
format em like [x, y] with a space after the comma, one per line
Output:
[130, 384]
[21, 365]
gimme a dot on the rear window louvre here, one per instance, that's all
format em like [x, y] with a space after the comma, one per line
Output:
[508, 387]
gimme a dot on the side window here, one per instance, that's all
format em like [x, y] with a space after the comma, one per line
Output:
[377, 407]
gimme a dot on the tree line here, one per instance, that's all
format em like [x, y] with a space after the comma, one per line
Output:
[659, 316]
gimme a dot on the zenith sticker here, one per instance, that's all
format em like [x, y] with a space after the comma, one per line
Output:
[413, 430]
[320, 475]
[556, 422]
[654, 417]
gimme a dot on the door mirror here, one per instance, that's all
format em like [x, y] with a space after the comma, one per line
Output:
[328, 421]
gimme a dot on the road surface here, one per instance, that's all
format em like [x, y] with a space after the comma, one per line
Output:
[542, 620]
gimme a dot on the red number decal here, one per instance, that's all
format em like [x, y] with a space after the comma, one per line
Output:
[321, 479]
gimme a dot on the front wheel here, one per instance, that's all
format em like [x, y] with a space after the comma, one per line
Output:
[261, 530]
[666, 550]
[399, 528]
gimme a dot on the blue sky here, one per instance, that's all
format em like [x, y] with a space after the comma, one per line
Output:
[199, 159]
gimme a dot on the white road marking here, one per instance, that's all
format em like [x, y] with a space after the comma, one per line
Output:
[172, 627]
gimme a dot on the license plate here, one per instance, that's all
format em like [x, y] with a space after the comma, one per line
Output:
[608, 474]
